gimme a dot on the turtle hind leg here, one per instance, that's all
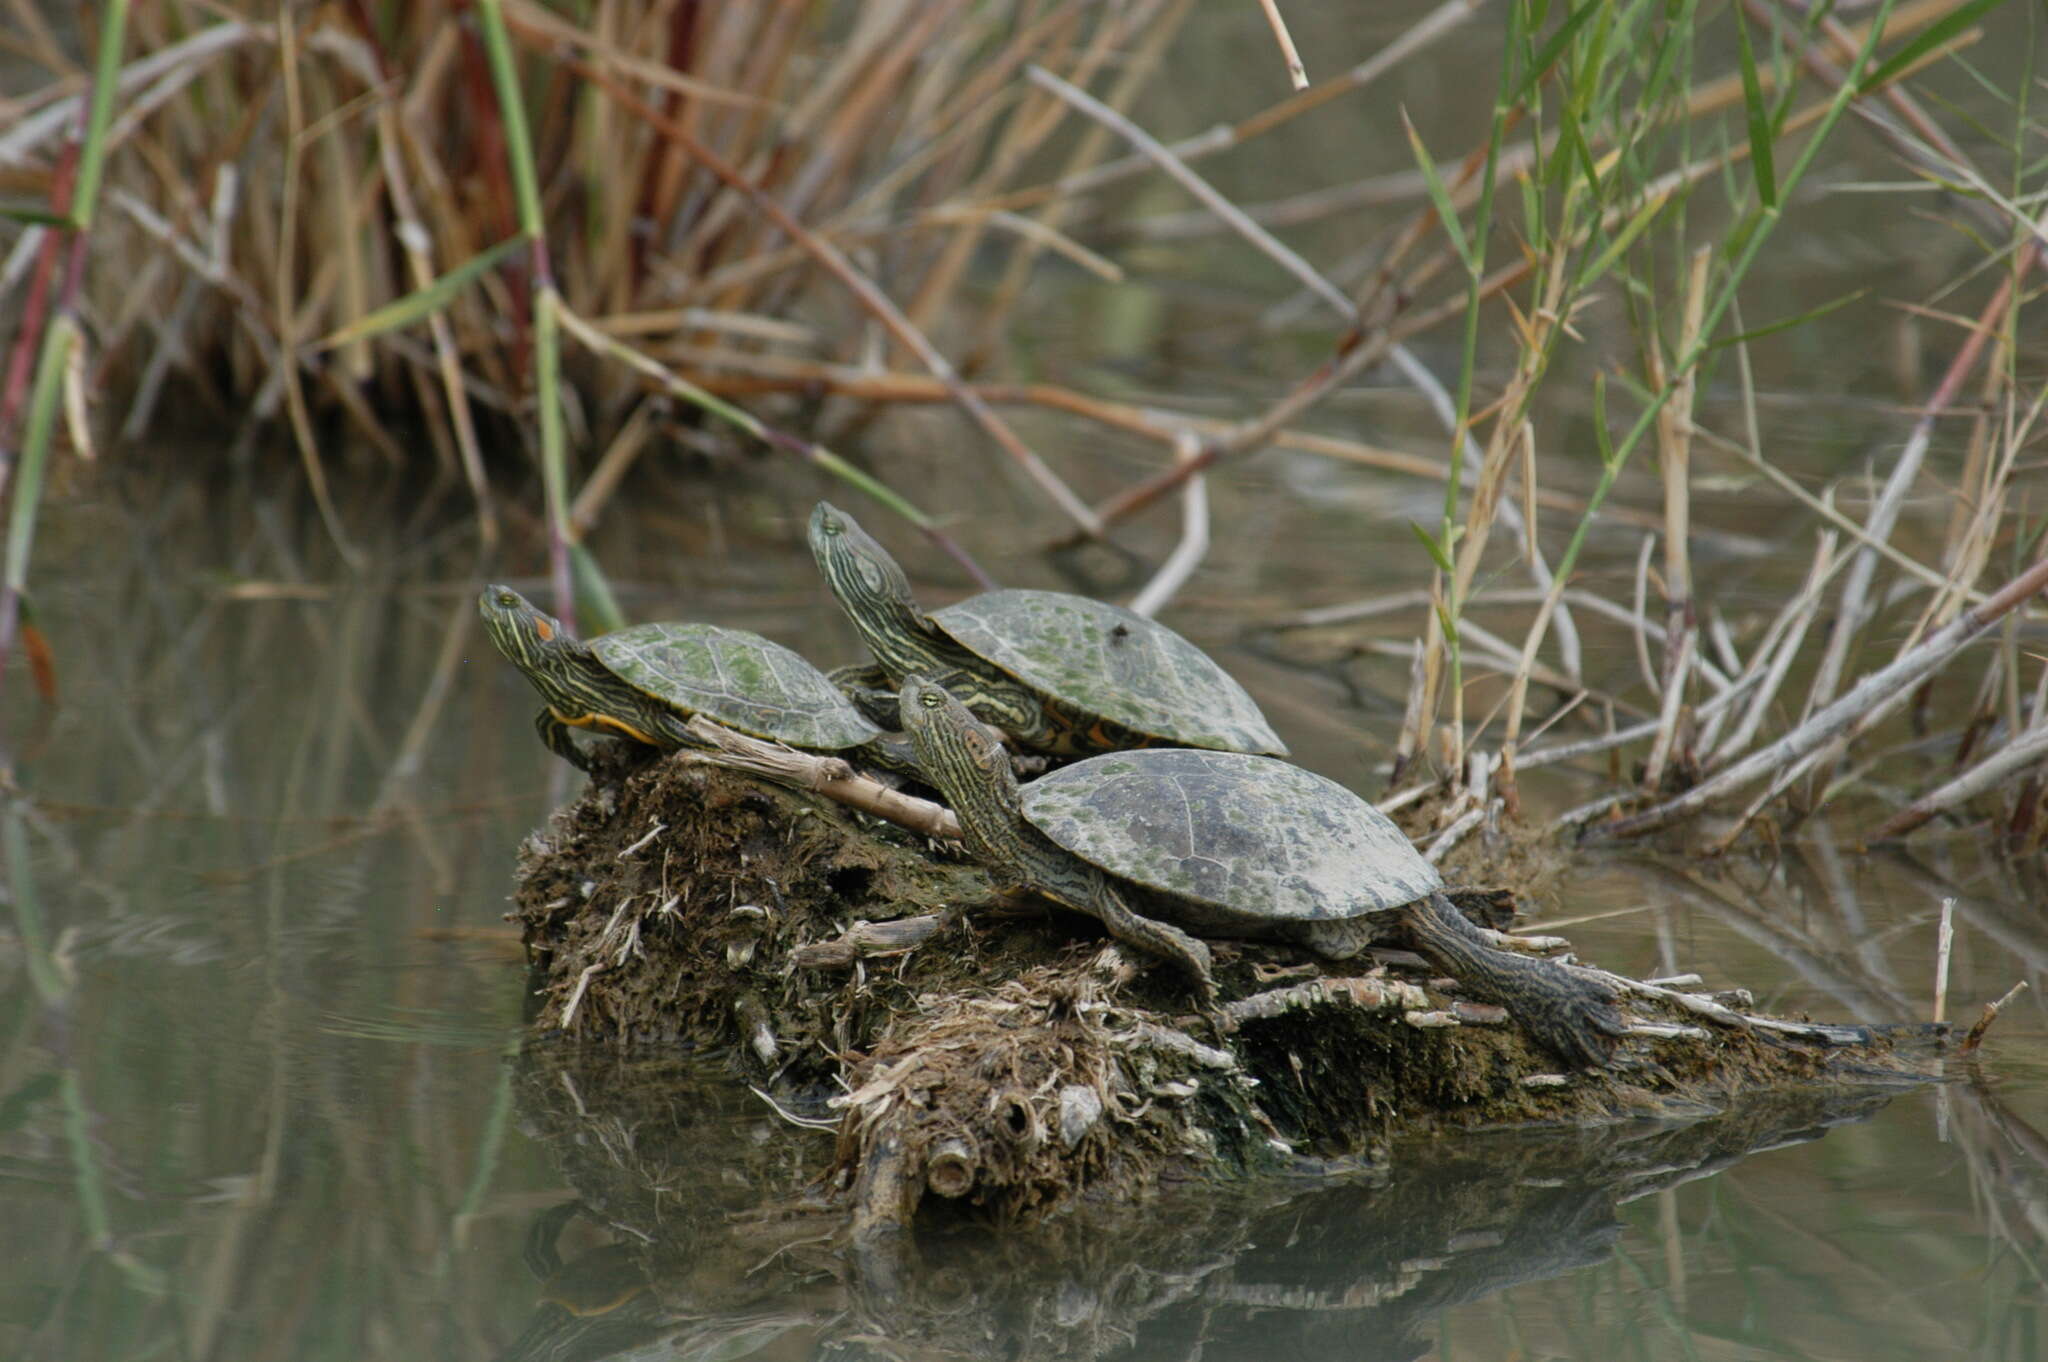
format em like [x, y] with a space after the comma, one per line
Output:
[1566, 1011]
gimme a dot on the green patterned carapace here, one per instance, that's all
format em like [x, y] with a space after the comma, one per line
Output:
[1159, 842]
[1058, 673]
[1239, 841]
[644, 683]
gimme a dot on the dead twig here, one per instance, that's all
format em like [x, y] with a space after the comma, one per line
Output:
[1194, 539]
[1862, 705]
[1983, 1023]
[1296, 76]
[2017, 755]
[828, 776]
[864, 940]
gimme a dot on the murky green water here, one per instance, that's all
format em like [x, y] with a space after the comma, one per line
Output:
[258, 1093]
[256, 999]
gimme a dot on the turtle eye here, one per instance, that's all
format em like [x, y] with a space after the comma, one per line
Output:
[508, 598]
[929, 699]
[829, 526]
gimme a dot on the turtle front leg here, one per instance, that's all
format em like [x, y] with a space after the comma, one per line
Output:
[555, 734]
[1159, 938]
[868, 688]
[1568, 1012]
[893, 754]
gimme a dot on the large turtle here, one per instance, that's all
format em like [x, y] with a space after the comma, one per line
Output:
[645, 682]
[1232, 845]
[1058, 673]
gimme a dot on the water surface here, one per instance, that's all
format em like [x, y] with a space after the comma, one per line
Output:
[259, 1089]
[257, 1100]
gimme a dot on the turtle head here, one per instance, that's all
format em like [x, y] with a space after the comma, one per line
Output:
[861, 573]
[530, 638]
[948, 737]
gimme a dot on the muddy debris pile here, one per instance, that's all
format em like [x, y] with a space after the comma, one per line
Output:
[1006, 1056]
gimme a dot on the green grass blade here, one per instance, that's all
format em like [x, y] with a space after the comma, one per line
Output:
[1440, 196]
[512, 108]
[1630, 230]
[1438, 554]
[1547, 55]
[33, 217]
[1933, 36]
[43, 974]
[1601, 434]
[44, 401]
[418, 305]
[595, 603]
[1787, 323]
[1758, 116]
[92, 155]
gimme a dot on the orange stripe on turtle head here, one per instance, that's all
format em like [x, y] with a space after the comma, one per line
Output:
[544, 627]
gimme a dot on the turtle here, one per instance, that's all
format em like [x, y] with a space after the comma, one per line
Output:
[1060, 674]
[1157, 841]
[644, 683]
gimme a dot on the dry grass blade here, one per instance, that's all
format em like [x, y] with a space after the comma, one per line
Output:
[870, 296]
[1863, 704]
[2028, 749]
[1278, 23]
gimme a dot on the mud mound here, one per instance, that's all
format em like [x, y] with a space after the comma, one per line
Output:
[1006, 1055]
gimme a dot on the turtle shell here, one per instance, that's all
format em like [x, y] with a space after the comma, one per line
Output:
[1111, 664]
[739, 679]
[1232, 839]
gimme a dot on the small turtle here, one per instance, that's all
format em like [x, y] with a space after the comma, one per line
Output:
[1058, 673]
[644, 683]
[1232, 845]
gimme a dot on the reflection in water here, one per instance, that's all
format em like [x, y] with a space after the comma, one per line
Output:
[255, 991]
[711, 1245]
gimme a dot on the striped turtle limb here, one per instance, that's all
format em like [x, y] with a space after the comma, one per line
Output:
[867, 686]
[968, 765]
[1572, 1014]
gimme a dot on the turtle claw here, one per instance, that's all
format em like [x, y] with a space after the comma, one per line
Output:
[1577, 1018]
[1564, 1010]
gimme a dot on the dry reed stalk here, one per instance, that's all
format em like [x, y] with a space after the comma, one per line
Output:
[1944, 947]
[1296, 76]
[1921, 143]
[1417, 38]
[1155, 31]
[1773, 656]
[1674, 462]
[1189, 551]
[1854, 605]
[1354, 354]
[652, 370]
[1860, 707]
[2021, 752]
[870, 297]
[1026, 134]
[1823, 508]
